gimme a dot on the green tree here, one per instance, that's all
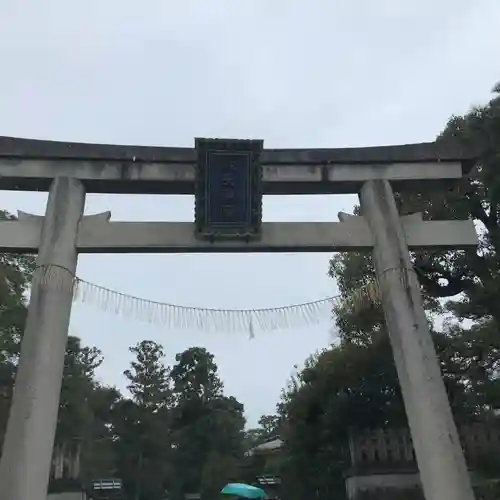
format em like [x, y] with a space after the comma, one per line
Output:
[128, 445]
[99, 458]
[252, 437]
[348, 386]
[258, 464]
[195, 375]
[269, 425]
[15, 277]
[75, 433]
[142, 425]
[207, 427]
[354, 384]
[78, 384]
[360, 321]
[470, 279]
[217, 471]
[224, 423]
[472, 274]
[148, 378]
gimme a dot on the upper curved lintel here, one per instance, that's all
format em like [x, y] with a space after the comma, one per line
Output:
[12, 147]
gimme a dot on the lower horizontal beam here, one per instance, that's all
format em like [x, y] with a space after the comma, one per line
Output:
[98, 236]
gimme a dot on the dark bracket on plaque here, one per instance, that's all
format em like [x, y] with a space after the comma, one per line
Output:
[228, 194]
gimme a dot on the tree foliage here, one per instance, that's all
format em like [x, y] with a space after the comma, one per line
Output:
[353, 385]
[148, 377]
[207, 427]
[473, 274]
[15, 277]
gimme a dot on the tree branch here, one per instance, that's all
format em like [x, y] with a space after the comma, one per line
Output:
[431, 285]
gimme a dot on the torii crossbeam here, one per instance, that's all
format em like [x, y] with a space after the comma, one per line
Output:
[69, 170]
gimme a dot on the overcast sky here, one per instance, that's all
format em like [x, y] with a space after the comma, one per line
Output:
[325, 73]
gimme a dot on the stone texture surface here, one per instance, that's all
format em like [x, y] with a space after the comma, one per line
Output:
[31, 165]
[440, 459]
[27, 451]
[97, 235]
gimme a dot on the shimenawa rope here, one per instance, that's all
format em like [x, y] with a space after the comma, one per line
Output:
[199, 318]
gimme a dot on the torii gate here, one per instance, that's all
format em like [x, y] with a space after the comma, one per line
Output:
[228, 178]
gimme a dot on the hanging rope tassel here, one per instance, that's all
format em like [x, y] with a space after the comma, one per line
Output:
[198, 318]
[251, 333]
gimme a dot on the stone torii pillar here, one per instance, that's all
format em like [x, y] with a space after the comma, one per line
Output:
[440, 458]
[27, 450]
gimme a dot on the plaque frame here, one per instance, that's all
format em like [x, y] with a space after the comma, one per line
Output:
[206, 230]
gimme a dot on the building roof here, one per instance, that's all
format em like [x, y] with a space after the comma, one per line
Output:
[273, 443]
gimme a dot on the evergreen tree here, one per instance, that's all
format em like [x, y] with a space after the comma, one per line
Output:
[207, 427]
[142, 424]
[15, 277]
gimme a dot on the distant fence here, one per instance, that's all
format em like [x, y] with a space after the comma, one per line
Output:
[393, 448]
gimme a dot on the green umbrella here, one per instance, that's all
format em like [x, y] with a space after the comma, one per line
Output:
[243, 490]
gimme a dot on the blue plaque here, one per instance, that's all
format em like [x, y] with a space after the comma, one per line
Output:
[228, 196]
